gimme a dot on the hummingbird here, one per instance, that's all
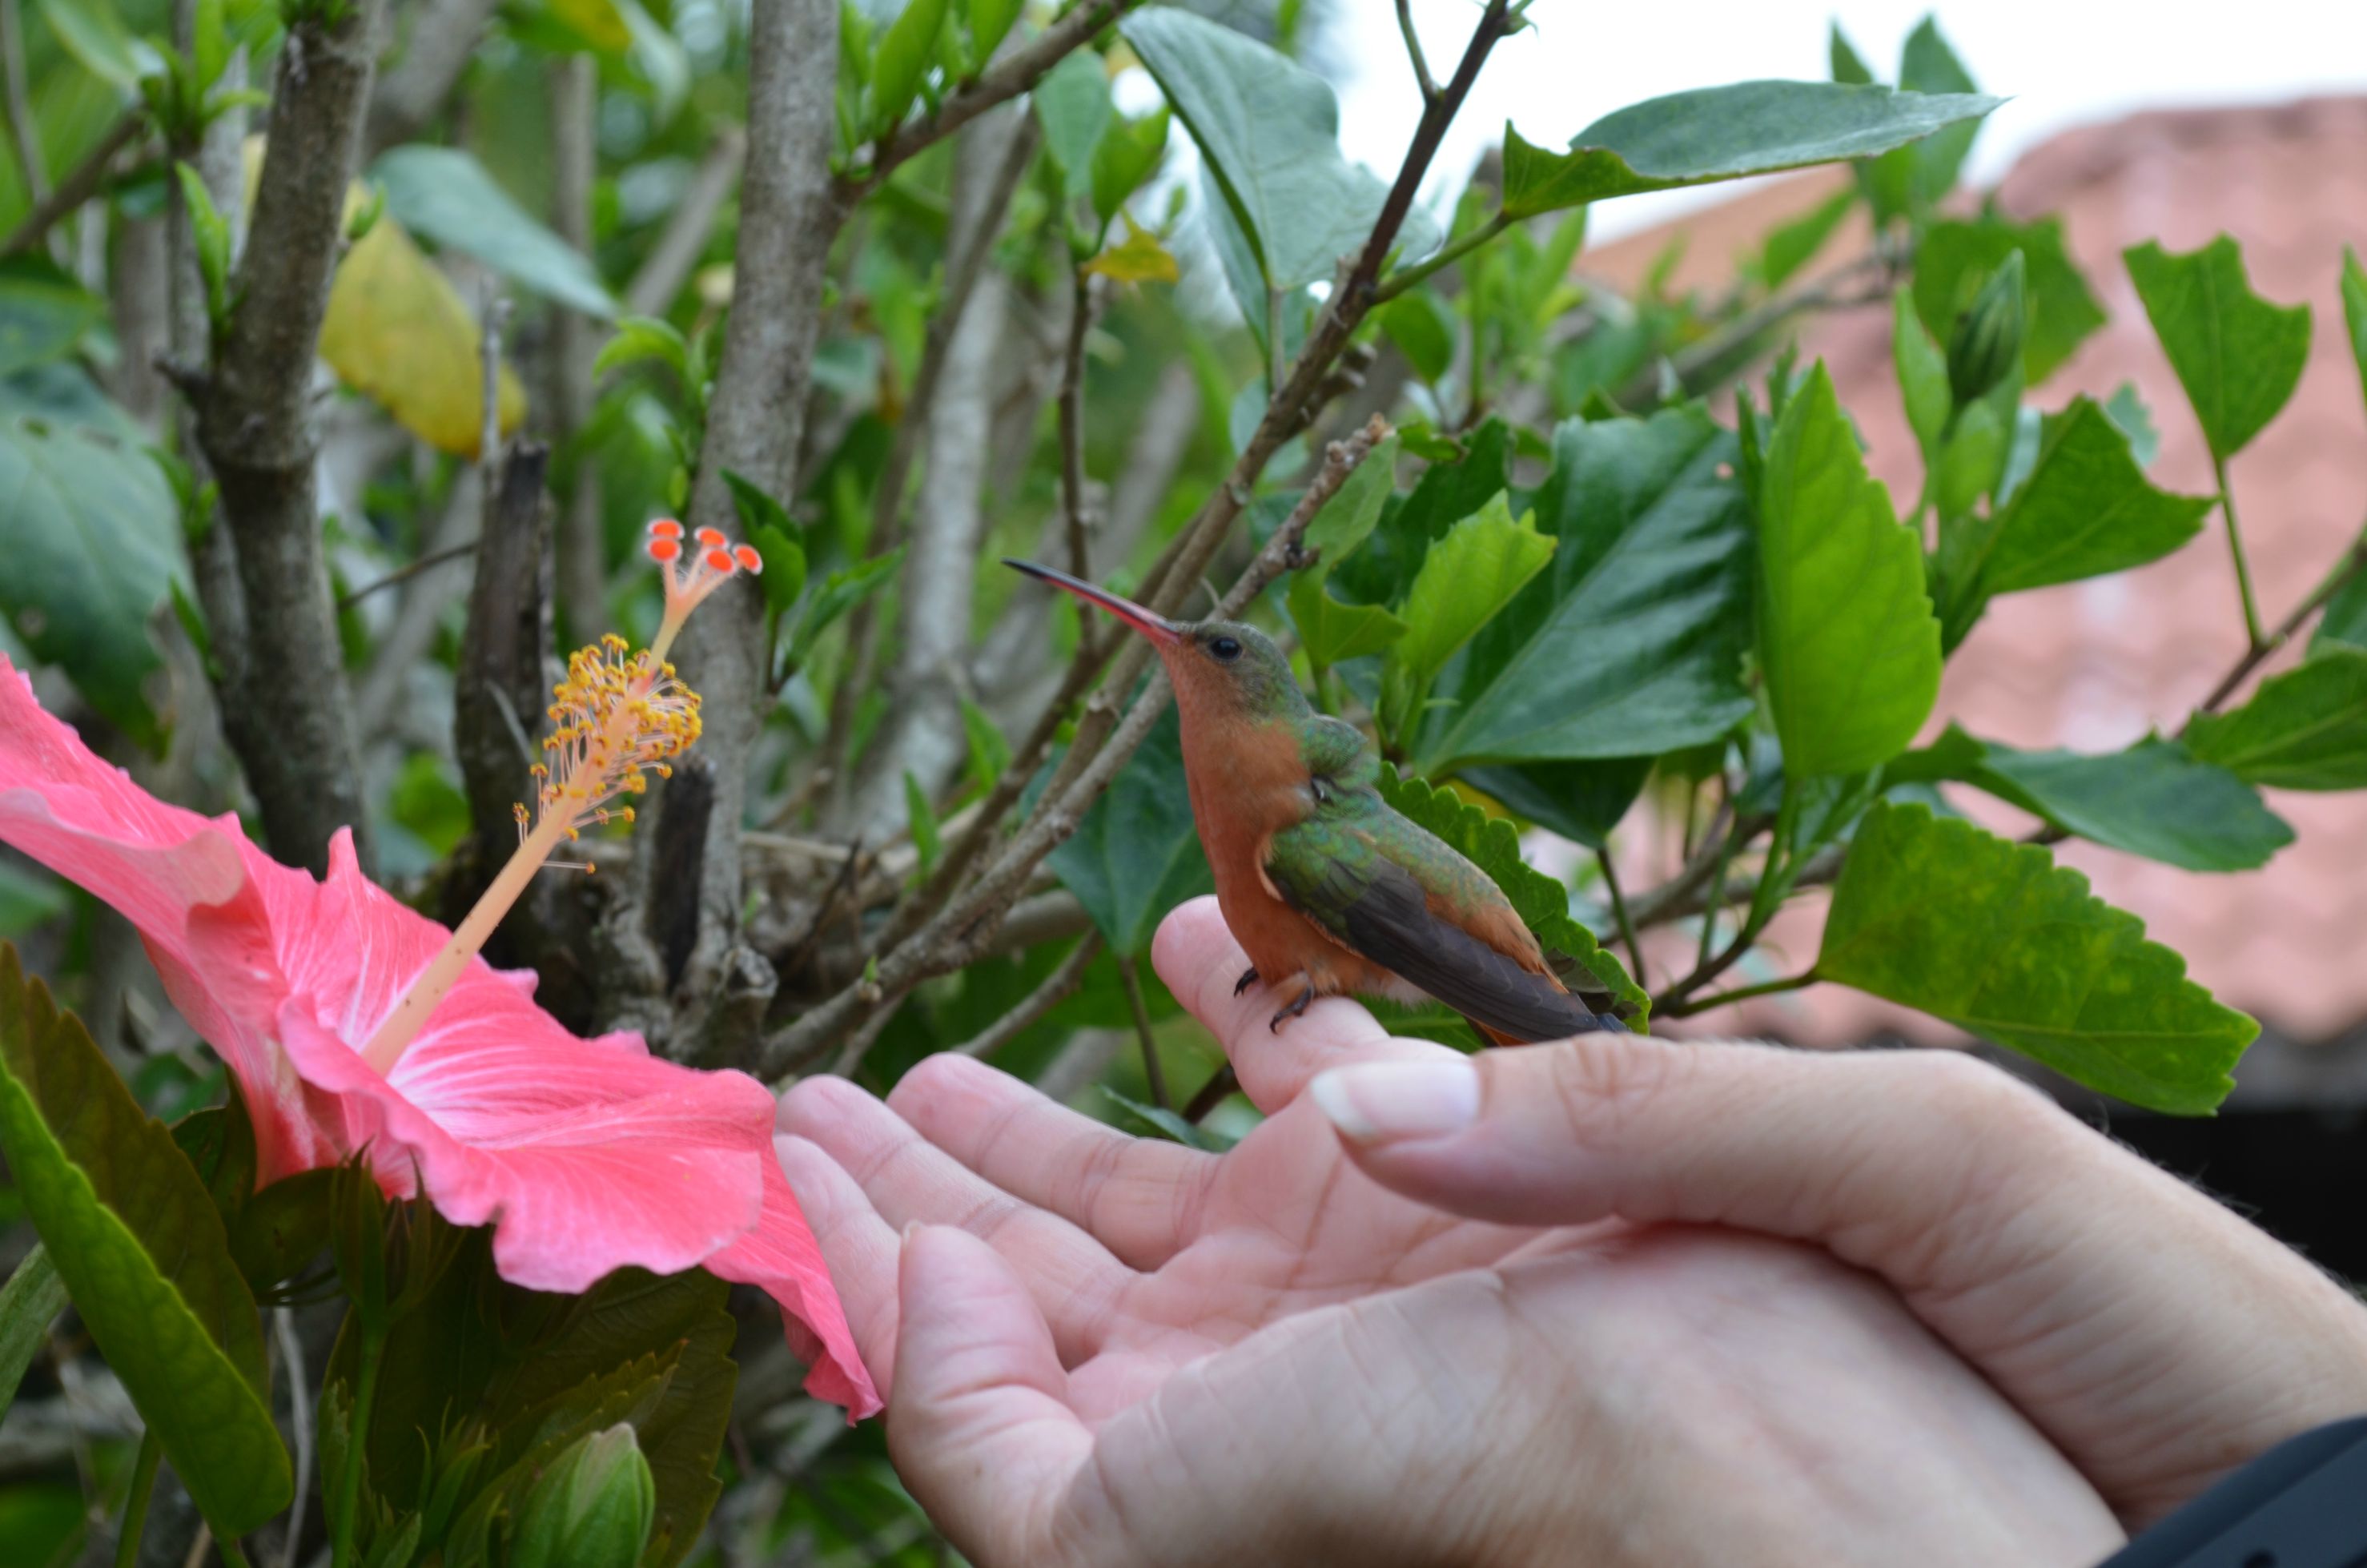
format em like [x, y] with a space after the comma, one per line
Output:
[1328, 888]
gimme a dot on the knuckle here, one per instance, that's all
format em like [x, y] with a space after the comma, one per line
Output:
[1603, 1084]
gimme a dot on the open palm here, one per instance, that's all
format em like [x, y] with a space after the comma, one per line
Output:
[1172, 1356]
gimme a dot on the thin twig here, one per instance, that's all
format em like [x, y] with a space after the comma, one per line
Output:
[1084, 305]
[1833, 290]
[1619, 912]
[1056, 988]
[1152, 1071]
[1009, 76]
[1220, 1087]
[1413, 52]
[1687, 1008]
[404, 573]
[2252, 633]
[82, 183]
[2353, 561]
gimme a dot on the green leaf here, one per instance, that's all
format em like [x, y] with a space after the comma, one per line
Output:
[93, 541]
[1631, 643]
[211, 232]
[1128, 154]
[1971, 463]
[1424, 329]
[1072, 105]
[990, 754]
[841, 592]
[905, 50]
[30, 898]
[1542, 902]
[2355, 310]
[785, 567]
[1997, 939]
[2154, 799]
[1348, 518]
[2238, 355]
[1331, 632]
[1157, 1122]
[922, 817]
[1848, 65]
[1929, 65]
[2086, 510]
[1955, 257]
[2128, 412]
[1137, 854]
[144, 1255]
[1923, 375]
[2344, 621]
[29, 1302]
[1847, 639]
[95, 36]
[1790, 246]
[1721, 133]
[1475, 571]
[642, 338]
[1580, 801]
[1452, 488]
[445, 195]
[43, 312]
[1137, 258]
[990, 23]
[527, 1373]
[2305, 729]
[1269, 132]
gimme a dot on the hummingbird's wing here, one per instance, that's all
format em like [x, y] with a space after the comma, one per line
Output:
[1345, 880]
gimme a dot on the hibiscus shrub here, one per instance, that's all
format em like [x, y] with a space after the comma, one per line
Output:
[413, 1180]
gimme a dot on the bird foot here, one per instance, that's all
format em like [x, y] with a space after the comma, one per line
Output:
[1249, 978]
[1305, 997]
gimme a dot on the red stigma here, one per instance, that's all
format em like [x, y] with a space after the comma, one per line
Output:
[665, 528]
[666, 549]
[750, 562]
[719, 560]
[711, 537]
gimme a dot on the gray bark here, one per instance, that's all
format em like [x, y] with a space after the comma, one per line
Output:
[443, 35]
[583, 563]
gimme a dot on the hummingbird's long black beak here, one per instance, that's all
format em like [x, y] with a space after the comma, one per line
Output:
[1161, 631]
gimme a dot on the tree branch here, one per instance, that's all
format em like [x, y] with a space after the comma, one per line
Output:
[583, 553]
[498, 688]
[82, 183]
[444, 39]
[789, 212]
[1056, 988]
[1084, 305]
[1010, 75]
[289, 720]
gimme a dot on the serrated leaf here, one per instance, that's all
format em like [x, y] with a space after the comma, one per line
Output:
[2238, 355]
[2305, 729]
[1580, 801]
[1137, 258]
[1954, 257]
[1457, 482]
[1137, 854]
[1721, 133]
[2129, 414]
[1631, 642]
[2086, 510]
[1331, 632]
[1269, 132]
[2154, 799]
[445, 195]
[144, 1255]
[91, 537]
[1997, 939]
[1072, 105]
[1847, 639]
[1542, 902]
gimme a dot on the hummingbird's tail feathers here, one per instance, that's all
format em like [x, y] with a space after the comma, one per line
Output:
[1391, 923]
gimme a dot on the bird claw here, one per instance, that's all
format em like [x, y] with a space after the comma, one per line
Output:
[1249, 978]
[1305, 997]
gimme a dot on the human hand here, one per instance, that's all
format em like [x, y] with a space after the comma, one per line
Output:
[2156, 1337]
[1109, 1350]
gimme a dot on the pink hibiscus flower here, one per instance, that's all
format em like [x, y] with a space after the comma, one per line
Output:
[352, 1022]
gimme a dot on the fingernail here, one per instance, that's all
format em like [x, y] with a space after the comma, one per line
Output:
[1384, 1101]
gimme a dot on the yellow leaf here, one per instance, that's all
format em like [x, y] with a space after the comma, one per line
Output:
[399, 334]
[1139, 259]
[597, 22]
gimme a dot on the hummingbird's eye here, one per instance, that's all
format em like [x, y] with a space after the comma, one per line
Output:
[1225, 649]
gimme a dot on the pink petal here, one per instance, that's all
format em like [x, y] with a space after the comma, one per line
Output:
[781, 1258]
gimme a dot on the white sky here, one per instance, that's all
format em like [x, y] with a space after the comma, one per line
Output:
[2064, 61]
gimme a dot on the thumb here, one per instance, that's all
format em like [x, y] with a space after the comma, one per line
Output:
[980, 1427]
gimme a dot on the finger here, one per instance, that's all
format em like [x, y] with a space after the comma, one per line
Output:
[1138, 1197]
[1195, 954]
[2085, 1283]
[861, 1248]
[911, 1181]
[980, 1428]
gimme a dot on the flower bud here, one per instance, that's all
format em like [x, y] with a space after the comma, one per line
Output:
[1986, 343]
[592, 1508]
